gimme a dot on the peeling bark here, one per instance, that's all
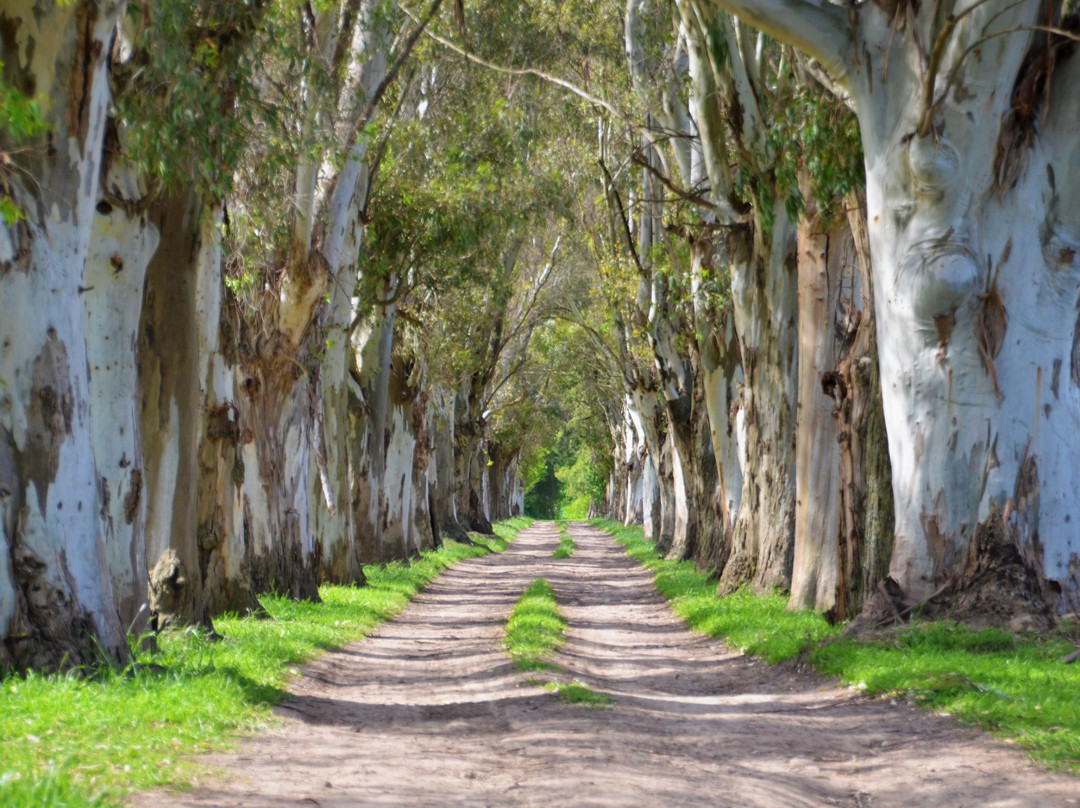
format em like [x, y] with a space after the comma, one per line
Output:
[56, 591]
[765, 311]
[974, 238]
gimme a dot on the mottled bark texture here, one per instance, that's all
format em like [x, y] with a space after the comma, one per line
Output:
[56, 565]
[970, 129]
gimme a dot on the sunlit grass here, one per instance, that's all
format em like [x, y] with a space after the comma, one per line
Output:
[1011, 684]
[71, 740]
[535, 628]
[566, 542]
[576, 692]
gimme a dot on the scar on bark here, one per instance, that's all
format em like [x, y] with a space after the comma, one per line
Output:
[944, 323]
[1031, 95]
[991, 323]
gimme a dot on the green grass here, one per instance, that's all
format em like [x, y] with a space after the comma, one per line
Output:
[576, 692]
[534, 631]
[566, 542]
[70, 740]
[755, 624]
[1010, 684]
[535, 628]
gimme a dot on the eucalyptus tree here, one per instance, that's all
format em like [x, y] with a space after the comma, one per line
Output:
[682, 293]
[968, 121]
[244, 396]
[56, 590]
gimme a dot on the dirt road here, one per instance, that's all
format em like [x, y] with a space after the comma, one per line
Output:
[428, 711]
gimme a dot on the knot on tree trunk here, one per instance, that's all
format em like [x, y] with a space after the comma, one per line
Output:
[170, 593]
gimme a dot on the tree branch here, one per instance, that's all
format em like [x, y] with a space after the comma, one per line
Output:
[523, 71]
[818, 28]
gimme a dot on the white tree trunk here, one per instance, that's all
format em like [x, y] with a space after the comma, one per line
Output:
[974, 236]
[57, 592]
[122, 244]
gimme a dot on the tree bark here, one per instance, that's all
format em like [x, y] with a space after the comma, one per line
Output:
[765, 312]
[974, 237]
[56, 591]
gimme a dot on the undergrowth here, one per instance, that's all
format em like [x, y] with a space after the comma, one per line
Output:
[87, 740]
[1010, 684]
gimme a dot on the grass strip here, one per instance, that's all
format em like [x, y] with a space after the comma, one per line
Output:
[566, 543]
[535, 628]
[1010, 684]
[534, 631]
[69, 740]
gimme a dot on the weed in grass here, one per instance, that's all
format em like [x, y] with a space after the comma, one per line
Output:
[535, 628]
[68, 740]
[1011, 684]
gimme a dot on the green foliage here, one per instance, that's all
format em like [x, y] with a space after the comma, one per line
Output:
[70, 740]
[190, 107]
[583, 481]
[813, 133]
[20, 116]
[21, 120]
[535, 629]
[1010, 684]
[543, 496]
[576, 453]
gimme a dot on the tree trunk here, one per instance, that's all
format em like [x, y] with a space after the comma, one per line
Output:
[844, 525]
[665, 474]
[444, 500]
[56, 591]
[765, 311]
[974, 236]
[121, 246]
[827, 313]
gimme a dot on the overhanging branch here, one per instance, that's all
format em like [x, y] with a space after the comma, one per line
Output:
[816, 27]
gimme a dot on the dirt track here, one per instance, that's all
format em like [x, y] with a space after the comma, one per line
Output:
[428, 711]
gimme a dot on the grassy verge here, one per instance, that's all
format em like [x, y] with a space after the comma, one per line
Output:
[534, 631]
[67, 740]
[566, 542]
[1010, 684]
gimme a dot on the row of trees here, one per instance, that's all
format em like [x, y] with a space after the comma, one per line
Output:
[862, 376]
[288, 288]
[269, 272]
